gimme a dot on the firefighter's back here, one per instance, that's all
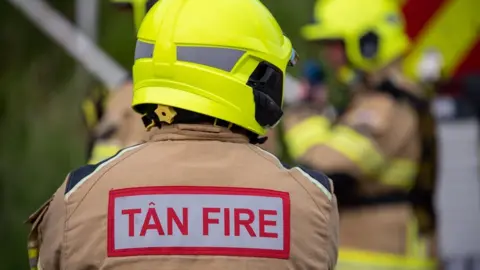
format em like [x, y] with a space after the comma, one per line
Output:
[197, 194]
[197, 197]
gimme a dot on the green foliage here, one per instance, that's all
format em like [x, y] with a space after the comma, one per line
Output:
[40, 133]
[41, 129]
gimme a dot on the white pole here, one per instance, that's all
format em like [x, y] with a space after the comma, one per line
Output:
[75, 42]
[86, 17]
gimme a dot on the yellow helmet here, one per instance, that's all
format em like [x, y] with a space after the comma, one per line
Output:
[139, 8]
[225, 59]
[372, 30]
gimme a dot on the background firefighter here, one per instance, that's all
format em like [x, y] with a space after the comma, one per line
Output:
[381, 152]
[111, 123]
[312, 98]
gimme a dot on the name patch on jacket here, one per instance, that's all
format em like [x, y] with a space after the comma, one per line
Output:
[198, 221]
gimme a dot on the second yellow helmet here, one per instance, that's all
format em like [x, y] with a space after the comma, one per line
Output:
[372, 30]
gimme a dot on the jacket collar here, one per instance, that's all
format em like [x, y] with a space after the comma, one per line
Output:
[194, 132]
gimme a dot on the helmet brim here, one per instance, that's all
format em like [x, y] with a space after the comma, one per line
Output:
[317, 32]
[182, 99]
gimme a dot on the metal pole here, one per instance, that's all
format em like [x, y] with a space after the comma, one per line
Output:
[74, 41]
[86, 17]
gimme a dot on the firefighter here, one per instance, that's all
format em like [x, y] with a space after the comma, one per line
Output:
[380, 152]
[110, 122]
[119, 126]
[92, 108]
[312, 98]
[198, 194]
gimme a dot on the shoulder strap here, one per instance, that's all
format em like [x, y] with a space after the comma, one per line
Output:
[34, 238]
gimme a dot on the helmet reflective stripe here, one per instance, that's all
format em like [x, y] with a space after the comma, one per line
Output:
[221, 58]
[143, 50]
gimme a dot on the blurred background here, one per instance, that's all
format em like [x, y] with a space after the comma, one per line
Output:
[43, 135]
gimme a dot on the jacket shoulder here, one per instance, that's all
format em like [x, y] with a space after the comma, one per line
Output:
[318, 178]
[82, 174]
[373, 112]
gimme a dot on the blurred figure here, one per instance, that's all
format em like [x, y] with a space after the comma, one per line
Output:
[312, 99]
[381, 151]
[93, 109]
[198, 194]
[313, 87]
[110, 121]
[119, 126]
